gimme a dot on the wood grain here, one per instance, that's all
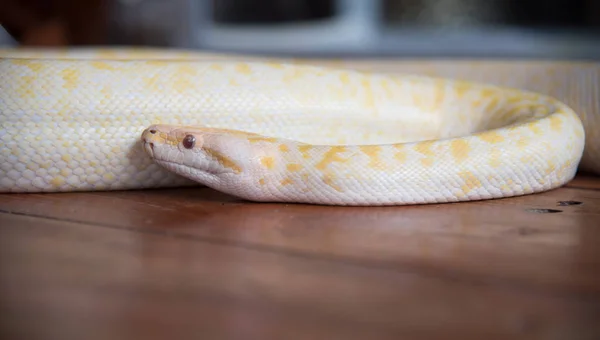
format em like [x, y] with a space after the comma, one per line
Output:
[194, 263]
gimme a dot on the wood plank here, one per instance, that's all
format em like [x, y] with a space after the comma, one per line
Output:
[66, 280]
[587, 182]
[492, 241]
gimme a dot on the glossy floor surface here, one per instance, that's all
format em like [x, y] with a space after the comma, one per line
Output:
[196, 264]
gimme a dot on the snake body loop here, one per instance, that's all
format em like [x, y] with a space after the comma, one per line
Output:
[409, 132]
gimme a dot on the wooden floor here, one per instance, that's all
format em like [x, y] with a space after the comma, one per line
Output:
[196, 264]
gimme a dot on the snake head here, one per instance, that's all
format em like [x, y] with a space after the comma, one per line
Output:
[217, 158]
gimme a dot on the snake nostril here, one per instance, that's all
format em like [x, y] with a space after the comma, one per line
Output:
[152, 131]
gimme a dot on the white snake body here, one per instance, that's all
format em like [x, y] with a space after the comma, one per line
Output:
[289, 132]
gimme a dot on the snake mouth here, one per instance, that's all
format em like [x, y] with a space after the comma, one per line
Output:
[178, 167]
[149, 148]
[189, 172]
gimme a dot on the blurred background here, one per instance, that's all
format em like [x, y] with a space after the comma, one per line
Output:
[555, 29]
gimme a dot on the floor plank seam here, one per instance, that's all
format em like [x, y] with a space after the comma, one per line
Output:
[582, 188]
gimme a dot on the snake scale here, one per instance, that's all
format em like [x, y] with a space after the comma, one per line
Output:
[285, 130]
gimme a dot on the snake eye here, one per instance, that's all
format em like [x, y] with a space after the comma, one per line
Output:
[189, 141]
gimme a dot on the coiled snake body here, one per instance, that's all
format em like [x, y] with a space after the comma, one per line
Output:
[269, 130]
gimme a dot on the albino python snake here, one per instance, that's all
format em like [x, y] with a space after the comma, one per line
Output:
[285, 131]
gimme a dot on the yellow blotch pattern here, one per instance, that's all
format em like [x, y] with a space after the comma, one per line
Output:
[293, 167]
[535, 129]
[268, 162]
[424, 148]
[385, 85]
[369, 97]
[243, 69]
[223, 160]
[70, 77]
[35, 67]
[184, 70]
[470, 182]
[373, 152]
[305, 149]
[522, 142]
[102, 65]
[556, 123]
[345, 78]
[255, 138]
[155, 62]
[460, 149]
[493, 103]
[491, 137]
[57, 181]
[495, 158]
[295, 74]
[400, 155]
[150, 82]
[26, 91]
[275, 65]
[182, 84]
[331, 156]
[487, 93]
[461, 89]
[328, 179]
[166, 138]
[439, 95]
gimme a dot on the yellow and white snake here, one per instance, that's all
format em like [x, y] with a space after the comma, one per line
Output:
[285, 131]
